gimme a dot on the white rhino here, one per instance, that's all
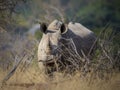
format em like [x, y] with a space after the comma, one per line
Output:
[56, 35]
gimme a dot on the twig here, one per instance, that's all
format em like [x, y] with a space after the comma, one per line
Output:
[12, 70]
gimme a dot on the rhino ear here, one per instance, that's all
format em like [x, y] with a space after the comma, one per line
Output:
[63, 28]
[43, 27]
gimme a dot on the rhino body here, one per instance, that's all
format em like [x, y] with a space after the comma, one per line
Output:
[58, 33]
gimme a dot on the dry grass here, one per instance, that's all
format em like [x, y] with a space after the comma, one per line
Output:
[99, 73]
[33, 79]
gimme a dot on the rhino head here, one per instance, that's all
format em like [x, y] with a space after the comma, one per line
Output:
[50, 41]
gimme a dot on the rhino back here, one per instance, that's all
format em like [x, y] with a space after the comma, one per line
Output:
[82, 37]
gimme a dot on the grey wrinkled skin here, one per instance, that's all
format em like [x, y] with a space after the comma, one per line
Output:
[53, 36]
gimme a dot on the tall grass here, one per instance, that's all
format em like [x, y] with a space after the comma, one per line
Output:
[99, 72]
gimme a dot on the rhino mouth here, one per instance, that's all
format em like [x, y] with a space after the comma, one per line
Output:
[47, 61]
[53, 60]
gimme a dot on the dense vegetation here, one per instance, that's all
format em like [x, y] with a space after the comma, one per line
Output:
[18, 16]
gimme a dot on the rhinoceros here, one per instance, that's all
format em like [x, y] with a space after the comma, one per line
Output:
[57, 35]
